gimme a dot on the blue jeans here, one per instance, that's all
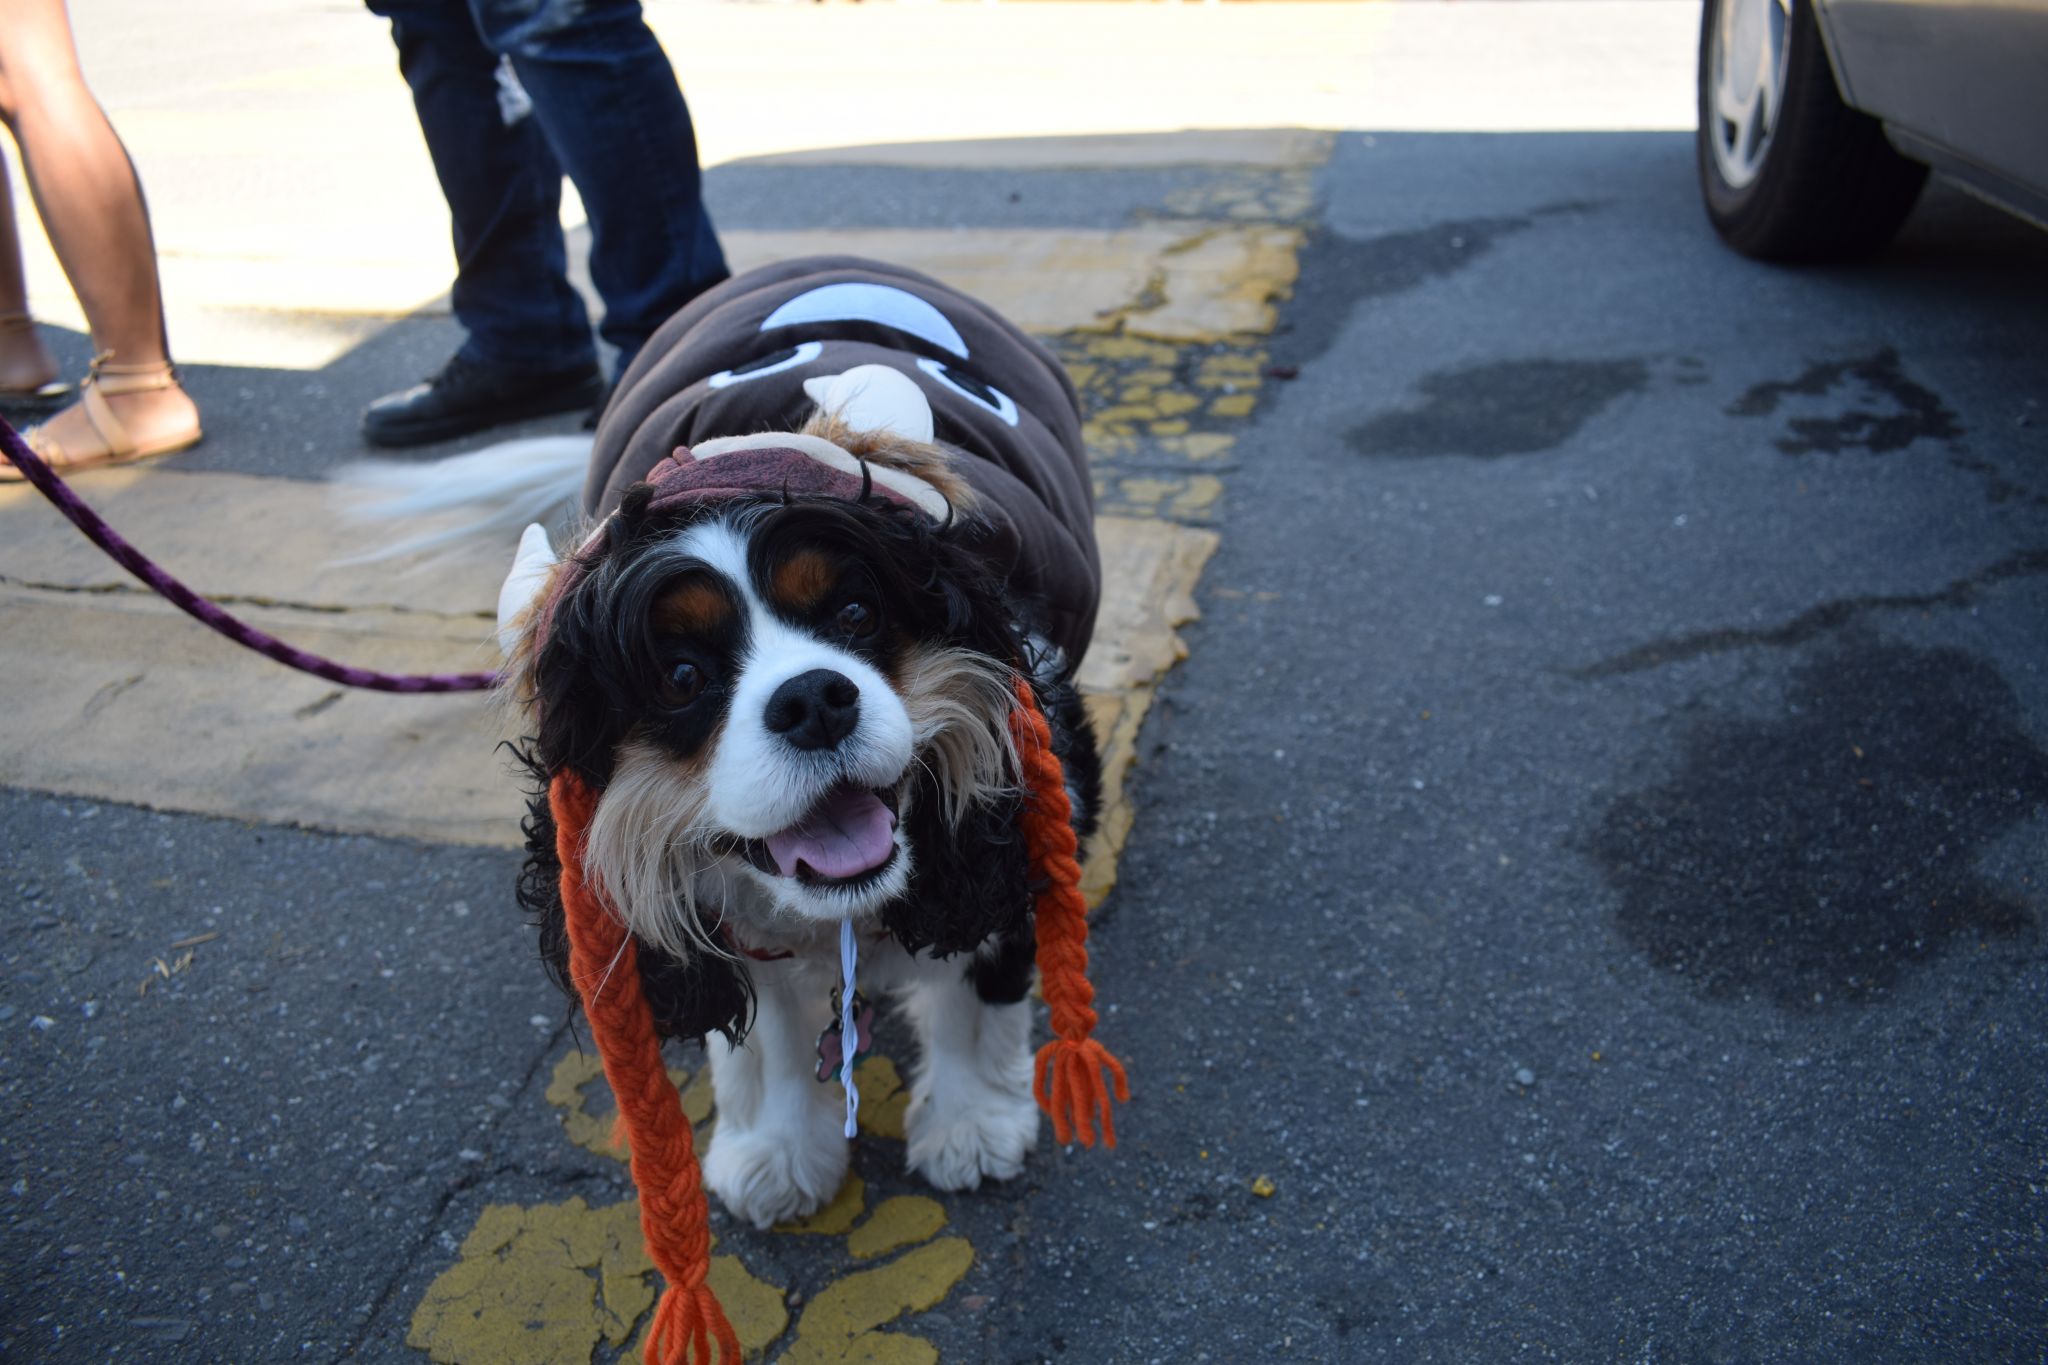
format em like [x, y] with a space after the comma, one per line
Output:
[605, 108]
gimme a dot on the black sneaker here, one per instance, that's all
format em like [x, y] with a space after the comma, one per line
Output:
[466, 396]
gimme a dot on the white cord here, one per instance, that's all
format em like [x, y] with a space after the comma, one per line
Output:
[849, 1028]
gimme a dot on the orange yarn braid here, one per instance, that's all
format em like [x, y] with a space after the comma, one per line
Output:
[604, 964]
[1069, 1083]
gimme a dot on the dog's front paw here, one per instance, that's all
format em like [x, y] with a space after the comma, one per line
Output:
[769, 1176]
[958, 1141]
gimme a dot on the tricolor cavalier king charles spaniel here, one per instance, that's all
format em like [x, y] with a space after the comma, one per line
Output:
[793, 697]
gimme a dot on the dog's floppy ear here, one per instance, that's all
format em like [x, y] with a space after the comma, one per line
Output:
[523, 586]
[875, 398]
[694, 999]
[689, 1000]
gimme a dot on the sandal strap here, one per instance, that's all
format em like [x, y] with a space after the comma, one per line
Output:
[106, 431]
[115, 379]
[113, 436]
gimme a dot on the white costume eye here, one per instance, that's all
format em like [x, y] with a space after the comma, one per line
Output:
[973, 390]
[878, 303]
[776, 363]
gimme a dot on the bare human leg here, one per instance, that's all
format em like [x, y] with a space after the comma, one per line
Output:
[26, 366]
[90, 201]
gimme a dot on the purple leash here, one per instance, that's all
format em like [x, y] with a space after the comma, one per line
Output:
[206, 613]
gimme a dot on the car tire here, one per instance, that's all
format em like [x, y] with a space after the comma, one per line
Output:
[1788, 171]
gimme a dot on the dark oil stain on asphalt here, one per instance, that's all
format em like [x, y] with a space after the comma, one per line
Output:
[1508, 407]
[1814, 858]
[1891, 413]
[1997, 487]
[1814, 622]
[1339, 272]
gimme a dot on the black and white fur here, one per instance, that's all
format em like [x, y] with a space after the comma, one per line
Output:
[694, 777]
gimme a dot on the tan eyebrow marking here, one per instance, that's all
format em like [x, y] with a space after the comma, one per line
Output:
[800, 582]
[693, 607]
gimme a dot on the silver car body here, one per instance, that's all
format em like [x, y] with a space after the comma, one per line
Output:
[1960, 84]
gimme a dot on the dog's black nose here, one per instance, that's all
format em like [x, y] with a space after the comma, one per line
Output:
[814, 710]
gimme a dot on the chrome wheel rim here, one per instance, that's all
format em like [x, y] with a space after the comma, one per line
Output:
[1746, 85]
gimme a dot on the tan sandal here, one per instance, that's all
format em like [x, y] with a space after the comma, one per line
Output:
[43, 395]
[112, 445]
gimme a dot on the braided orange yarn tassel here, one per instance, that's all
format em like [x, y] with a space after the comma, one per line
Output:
[674, 1218]
[1069, 1082]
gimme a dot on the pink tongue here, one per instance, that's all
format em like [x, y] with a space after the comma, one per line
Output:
[846, 834]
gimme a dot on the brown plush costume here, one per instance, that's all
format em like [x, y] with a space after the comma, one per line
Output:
[734, 361]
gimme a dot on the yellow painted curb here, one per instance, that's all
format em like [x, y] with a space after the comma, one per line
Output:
[127, 699]
[1177, 281]
[286, 550]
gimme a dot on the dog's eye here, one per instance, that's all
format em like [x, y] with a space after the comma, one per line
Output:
[685, 683]
[857, 619]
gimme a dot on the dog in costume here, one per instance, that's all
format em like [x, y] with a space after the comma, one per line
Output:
[801, 712]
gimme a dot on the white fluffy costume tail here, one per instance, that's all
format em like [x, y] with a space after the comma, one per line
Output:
[489, 493]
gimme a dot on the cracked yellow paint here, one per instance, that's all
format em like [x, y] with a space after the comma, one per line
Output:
[839, 1325]
[1200, 445]
[903, 1221]
[599, 1133]
[1137, 640]
[1231, 368]
[522, 1291]
[1159, 564]
[1152, 405]
[1105, 445]
[1173, 281]
[757, 1310]
[1220, 283]
[836, 1217]
[542, 1285]
[1116, 717]
[1199, 495]
[1146, 491]
[883, 1099]
[549, 1284]
[1128, 347]
[1168, 495]
[1284, 195]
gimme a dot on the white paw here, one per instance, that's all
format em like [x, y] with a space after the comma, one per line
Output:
[769, 1175]
[957, 1141]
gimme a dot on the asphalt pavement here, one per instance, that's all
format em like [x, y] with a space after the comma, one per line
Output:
[1593, 856]
[1583, 896]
